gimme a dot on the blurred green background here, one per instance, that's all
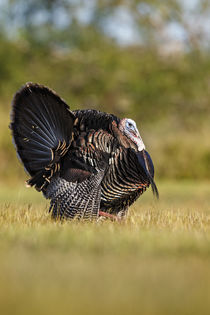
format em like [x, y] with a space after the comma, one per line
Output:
[147, 60]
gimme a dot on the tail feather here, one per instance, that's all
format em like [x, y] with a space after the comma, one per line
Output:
[45, 130]
[40, 122]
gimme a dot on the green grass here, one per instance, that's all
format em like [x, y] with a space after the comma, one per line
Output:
[155, 262]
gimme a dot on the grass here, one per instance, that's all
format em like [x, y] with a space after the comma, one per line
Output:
[155, 262]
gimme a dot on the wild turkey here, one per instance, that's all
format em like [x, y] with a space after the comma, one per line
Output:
[88, 163]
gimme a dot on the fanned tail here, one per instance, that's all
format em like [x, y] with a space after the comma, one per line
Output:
[42, 126]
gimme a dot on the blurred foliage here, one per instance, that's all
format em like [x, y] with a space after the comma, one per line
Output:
[161, 83]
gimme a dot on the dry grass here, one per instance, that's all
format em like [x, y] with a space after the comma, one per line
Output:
[155, 262]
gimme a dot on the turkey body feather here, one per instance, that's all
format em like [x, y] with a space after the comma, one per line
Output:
[86, 162]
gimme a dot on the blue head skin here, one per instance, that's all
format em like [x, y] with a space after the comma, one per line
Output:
[131, 131]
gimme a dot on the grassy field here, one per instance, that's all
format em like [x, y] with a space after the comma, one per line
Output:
[155, 262]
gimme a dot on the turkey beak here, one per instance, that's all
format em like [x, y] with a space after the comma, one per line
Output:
[144, 161]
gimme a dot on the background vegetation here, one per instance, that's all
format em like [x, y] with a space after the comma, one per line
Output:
[158, 74]
[148, 60]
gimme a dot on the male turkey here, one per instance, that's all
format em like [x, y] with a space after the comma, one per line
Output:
[88, 163]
